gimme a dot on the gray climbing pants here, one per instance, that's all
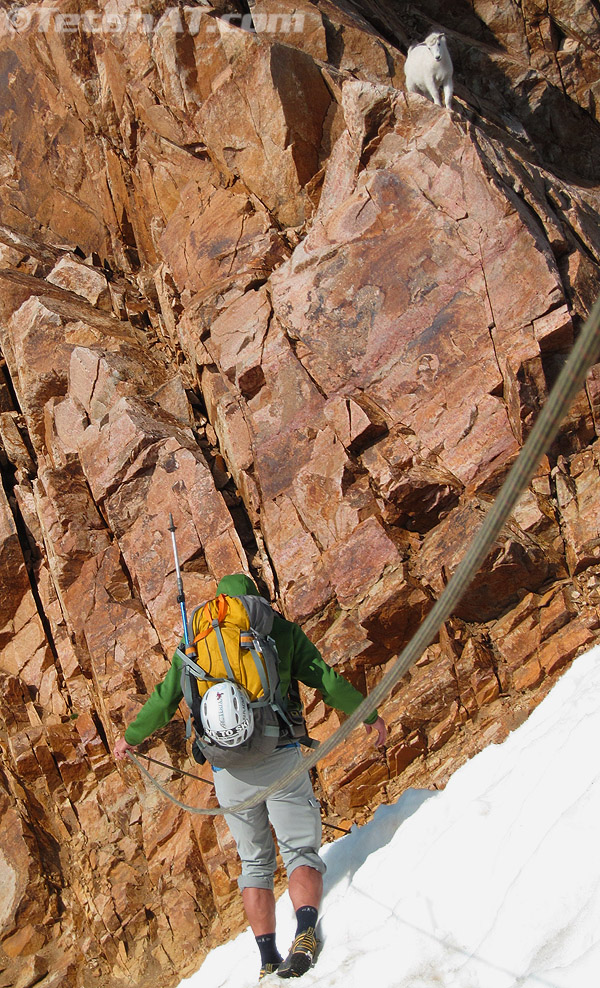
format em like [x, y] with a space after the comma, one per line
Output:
[293, 812]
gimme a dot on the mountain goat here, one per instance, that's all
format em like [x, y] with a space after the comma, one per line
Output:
[429, 67]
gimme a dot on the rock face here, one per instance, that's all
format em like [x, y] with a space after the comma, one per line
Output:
[248, 280]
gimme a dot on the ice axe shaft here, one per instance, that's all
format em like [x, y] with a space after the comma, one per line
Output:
[180, 592]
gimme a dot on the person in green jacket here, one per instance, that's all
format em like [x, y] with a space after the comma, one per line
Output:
[293, 811]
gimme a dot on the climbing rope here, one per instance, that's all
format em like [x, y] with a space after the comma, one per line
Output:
[584, 354]
[179, 771]
[199, 778]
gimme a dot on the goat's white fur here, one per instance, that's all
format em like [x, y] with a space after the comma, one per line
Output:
[428, 68]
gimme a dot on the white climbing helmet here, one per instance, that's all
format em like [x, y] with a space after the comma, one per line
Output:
[226, 713]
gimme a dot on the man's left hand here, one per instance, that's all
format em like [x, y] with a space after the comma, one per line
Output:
[379, 726]
[121, 748]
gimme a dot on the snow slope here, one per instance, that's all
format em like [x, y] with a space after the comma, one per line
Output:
[492, 883]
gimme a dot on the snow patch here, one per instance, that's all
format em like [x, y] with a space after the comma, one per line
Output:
[492, 883]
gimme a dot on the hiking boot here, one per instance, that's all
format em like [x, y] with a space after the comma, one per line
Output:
[268, 969]
[301, 955]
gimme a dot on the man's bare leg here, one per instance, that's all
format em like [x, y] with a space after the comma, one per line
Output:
[306, 887]
[306, 890]
[260, 910]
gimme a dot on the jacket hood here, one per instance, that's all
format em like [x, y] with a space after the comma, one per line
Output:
[237, 585]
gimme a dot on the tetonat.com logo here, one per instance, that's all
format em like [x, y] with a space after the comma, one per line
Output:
[181, 20]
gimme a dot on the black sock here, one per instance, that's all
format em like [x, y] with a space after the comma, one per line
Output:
[307, 919]
[268, 949]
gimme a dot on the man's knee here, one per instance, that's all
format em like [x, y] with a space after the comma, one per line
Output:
[304, 857]
[253, 880]
[297, 825]
[258, 868]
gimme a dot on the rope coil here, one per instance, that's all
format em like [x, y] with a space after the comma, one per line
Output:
[572, 377]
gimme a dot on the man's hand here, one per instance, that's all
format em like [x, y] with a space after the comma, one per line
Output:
[379, 726]
[121, 748]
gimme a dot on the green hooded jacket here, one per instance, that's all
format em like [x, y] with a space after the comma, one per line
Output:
[298, 659]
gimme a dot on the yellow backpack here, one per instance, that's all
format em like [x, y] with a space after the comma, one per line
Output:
[225, 647]
[230, 640]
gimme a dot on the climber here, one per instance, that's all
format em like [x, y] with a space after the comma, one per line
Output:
[293, 811]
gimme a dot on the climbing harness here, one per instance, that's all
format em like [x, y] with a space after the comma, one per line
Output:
[583, 355]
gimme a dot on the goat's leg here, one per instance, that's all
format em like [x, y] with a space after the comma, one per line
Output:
[448, 93]
[434, 92]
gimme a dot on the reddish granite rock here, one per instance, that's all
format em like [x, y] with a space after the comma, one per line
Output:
[69, 519]
[25, 896]
[577, 498]
[516, 563]
[25, 651]
[540, 635]
[391, 612]
[335, 33]
[271, 138]
[237, 340]
[232, 234]
[39, 339]
[14, 444]
[81, 279]
[304, 28]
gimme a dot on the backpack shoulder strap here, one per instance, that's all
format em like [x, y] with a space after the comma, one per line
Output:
[260, 613]
[190, 623]
[267, 648]
[190, 666]
[189, 688]
[253, 644]
[257, 641]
